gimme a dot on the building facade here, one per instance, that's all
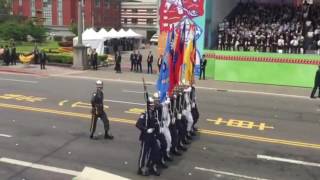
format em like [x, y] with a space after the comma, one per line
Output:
[60, 14]
[140, 17]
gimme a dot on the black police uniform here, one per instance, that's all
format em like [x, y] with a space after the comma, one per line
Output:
[316, 84]
[150, 150]
[98, 112]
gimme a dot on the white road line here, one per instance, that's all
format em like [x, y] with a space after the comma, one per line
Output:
[198, 87]
[5, 135]
[39, 166]
[229, 174]
[291, 161]
[128, 91]
[124, 102]
[18, 80]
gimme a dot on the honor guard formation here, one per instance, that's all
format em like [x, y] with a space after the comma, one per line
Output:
[166, 128]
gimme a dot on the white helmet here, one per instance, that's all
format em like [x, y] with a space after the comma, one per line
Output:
[156, 95]
[99, 84]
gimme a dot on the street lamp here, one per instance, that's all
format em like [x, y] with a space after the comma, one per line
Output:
[80, 51]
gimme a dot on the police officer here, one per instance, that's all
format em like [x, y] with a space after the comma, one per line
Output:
[316, 84]
[194, 108]
[161, 139]
[150, 150]
[98, 112]
[166, 121]
[173, 126]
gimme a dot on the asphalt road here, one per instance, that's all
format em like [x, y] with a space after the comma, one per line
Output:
[45, 121]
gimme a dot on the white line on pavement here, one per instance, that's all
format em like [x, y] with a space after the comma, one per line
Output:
[129, 91]
[198, 87]
[291, 161]
[229, 174]
[124, 102]
[18, 80]
[39, 166]
[5, 135]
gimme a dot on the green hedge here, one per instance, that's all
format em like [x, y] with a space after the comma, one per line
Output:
[60, 58]
[66, 58]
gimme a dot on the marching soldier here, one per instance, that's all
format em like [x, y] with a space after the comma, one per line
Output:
[98, 112]
[173, 125]
[166, 121]
[194, 108]
[150, 150]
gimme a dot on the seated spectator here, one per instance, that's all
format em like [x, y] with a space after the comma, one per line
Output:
[271, 28]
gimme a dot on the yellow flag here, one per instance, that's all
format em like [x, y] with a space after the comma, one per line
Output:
[188, 61]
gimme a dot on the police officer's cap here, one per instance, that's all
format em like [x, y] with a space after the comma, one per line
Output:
[99, 83]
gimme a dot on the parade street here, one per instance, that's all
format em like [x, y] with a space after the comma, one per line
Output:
[45, 120]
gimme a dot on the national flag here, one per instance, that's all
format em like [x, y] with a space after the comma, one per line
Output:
[163, 81]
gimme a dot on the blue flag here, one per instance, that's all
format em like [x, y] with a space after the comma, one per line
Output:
[163, 81]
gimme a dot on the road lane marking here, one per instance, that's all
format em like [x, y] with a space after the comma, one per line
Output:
[198, 87]
[240, 124]
[203, 131]
[18, 80]
[39, 166]
[135, 111]
[80, 104]
[124, 102]
[261, 139]
[19, 97]
[5, 135]
[291, 161]
[229, 174]
[61, 103]
[129, 91]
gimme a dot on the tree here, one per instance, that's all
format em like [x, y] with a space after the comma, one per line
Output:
[5, 7]
[73, 28]
[38, 32]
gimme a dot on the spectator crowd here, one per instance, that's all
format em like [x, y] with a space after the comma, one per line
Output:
[271, 28]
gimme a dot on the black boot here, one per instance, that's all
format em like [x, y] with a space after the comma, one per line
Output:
[163, 164]
[167, 157]
[143, 172]
[108, 136]
[154, 170]
[182, 147]
[176, 152]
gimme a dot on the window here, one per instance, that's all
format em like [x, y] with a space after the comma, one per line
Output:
[107, 3]
[134, 21]
[125, 20]
[149, 11]
[47, 12]
[60, 11]
[97, 2]
[135, 10]
[33, 8]
[149, 21]
[20, 2]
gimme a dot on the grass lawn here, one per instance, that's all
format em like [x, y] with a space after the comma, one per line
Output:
[26, 47]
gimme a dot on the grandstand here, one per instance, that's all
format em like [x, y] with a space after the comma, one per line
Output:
[263, 41]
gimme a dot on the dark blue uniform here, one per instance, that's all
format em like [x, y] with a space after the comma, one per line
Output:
[98, 112]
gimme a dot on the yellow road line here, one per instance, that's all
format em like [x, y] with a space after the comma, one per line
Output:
[203, 131]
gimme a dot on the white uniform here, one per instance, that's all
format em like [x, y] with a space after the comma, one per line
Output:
[166, 123]
[187, 111]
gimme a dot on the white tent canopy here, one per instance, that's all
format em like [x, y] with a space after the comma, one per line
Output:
[113, 34]
[103, 33]
[132, 34]
[122, 33]
[92, 39]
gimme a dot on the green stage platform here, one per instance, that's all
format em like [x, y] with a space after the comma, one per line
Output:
[263, 68]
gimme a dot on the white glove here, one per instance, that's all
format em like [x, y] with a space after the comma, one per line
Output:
[150, 130]
[173, 120]
[179, 116]
[161, 130]
[193, 105]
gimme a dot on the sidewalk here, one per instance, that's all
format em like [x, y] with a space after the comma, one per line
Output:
[108, 74]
